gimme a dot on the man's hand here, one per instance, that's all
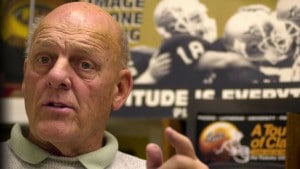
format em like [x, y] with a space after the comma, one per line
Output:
[184, 158]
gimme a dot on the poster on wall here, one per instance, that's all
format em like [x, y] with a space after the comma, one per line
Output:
[235, 52]
[244, 140]
[238, 135]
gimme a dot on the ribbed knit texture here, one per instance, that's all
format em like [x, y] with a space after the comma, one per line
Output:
[19, 153]
[121, 161]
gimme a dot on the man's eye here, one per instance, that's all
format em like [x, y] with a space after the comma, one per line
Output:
[85, 65]
[44, 60]
[86, 69]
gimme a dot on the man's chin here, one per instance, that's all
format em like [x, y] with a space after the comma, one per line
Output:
[55, 131]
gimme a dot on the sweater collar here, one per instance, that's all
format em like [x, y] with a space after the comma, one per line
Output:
[33, 154]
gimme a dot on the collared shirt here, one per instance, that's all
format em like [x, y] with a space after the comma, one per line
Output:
[30, 154]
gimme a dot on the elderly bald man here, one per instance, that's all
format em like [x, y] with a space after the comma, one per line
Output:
[75, 74]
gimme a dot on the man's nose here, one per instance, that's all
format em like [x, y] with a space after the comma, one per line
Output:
[59, 74]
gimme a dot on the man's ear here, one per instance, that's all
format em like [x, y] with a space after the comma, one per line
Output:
[124, 87]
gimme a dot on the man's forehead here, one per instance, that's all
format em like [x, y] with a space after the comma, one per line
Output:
[86, 8]
[75, 17]
[81, 14]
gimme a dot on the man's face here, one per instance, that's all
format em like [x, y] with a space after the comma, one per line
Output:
[70, 80]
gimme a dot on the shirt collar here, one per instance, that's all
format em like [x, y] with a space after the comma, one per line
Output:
[33, 154]
[102, 157]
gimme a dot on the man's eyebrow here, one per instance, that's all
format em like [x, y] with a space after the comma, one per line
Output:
[86, 49]
[82, 48]
[45, 42]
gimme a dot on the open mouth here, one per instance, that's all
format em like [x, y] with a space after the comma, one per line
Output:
[57, 105]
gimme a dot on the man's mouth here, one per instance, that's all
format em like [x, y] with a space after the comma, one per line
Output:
[57, 105]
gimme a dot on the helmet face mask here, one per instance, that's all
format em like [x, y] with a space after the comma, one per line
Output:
[273, 44]
[221, 141]
[184, 17]
[262, 40]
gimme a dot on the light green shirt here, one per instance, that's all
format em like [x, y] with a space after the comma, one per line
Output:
[24, 153]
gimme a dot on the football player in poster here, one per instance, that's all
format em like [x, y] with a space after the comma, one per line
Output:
[270, 44]
[289, 10]
[187, 31]
[262, 49]
[187, 56]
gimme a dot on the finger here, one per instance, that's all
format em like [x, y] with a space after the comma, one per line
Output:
[155, 54]
[166, 60]
[181, 143]
[154, 157]
[164, 71]
[163, 66]
[164, 56]
[161, 56]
